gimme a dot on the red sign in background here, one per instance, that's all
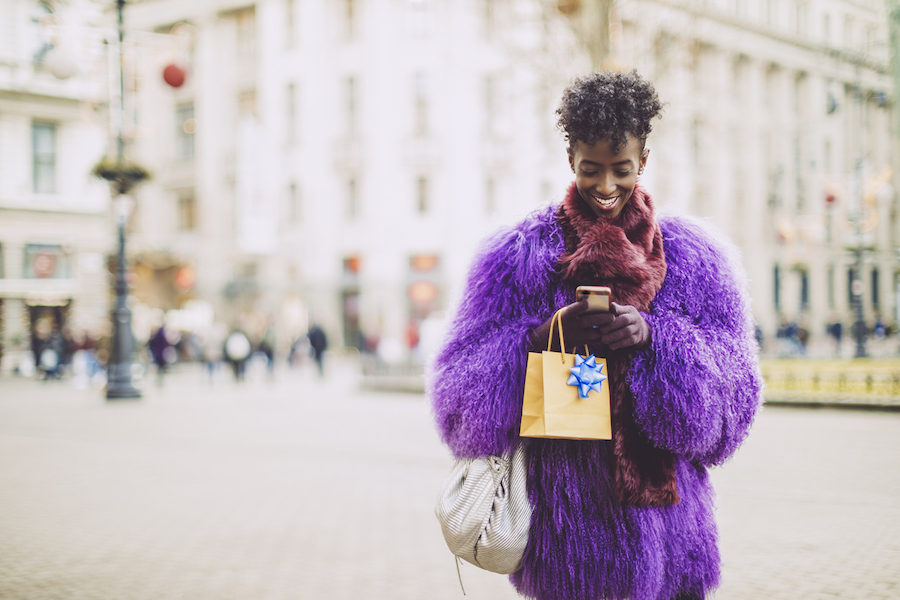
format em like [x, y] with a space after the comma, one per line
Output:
[44, 265]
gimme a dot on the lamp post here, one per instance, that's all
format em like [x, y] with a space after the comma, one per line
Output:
[122, 178]
[856, 286]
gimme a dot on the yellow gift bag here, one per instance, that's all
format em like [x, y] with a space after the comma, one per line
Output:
[566, 395]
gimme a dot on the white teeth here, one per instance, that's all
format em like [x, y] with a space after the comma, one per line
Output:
[606, 202]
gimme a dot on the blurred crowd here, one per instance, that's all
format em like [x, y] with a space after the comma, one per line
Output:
[58, 353]
[793, 338]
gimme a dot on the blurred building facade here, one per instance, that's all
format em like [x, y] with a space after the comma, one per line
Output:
[779, 129]
[55, 228]
[339, 160]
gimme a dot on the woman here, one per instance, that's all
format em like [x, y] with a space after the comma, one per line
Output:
[631, 517]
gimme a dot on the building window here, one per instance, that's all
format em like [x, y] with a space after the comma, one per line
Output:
[293, 207]
[290, 114]
[772, 12]
[490, 102]
[871, 35]
[46, 262]
[770, 84]
[420, 19]
[350, 10]
[422, 195]
[544, 110]
[487, 17]
[43, 157]
[350, 87]
[802, 16]
[245, 42]
[697, 143]
[490, 195]
[247, 103]
[352, 198]
[830, 286]
[289, 24]
[420, 89]
[738, 76]
[875, 291]
[546, 191]
[851, 277]
[186, 127]
[849, 40]
[799, 189]
[804, 290]
[187, 211]
[776, 286]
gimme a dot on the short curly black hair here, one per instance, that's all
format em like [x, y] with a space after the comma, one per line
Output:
[606, 106]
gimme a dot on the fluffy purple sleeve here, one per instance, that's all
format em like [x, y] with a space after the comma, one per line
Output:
[697, 387]
[477, 378]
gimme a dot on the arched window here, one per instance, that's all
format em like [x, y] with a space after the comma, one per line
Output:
[41, 43]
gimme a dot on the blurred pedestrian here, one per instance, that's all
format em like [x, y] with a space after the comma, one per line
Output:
[802, 335]
[879, 330]
[836, 331]
[300, 349]
[68, 344]
[266, 348]
[318, 343]
[52, 355]
[212, 342]
[159, 348]
[237, 350]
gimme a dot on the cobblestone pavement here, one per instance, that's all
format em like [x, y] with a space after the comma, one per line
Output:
[298, 489]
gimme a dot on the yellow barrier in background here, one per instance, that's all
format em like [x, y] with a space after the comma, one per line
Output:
[877, 376]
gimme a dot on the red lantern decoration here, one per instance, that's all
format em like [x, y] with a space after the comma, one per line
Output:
[185, 278]
[174, 75]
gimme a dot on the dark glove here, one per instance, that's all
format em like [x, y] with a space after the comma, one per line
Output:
[622, 328]
[579, 328]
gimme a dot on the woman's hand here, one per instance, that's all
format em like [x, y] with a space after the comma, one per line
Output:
[621, 328]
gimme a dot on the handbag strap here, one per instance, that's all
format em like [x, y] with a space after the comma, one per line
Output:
[557, 320]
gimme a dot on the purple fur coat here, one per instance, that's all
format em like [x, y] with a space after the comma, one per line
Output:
[696, 389]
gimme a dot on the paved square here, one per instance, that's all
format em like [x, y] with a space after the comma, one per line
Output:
[299, 489]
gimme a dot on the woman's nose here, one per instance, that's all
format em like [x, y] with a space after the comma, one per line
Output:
[607, 185]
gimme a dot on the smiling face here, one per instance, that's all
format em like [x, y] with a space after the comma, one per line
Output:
[605, 180]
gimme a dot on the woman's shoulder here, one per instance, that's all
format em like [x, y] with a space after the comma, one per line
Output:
[538, 235]
[702, 263]
[534, 225]
[695, 241]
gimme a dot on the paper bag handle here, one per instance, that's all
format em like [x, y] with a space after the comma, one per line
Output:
[557, 320]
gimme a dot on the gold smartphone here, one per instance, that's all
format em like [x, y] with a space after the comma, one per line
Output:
[597, 297]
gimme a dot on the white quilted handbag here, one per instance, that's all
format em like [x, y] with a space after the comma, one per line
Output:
[485, 513]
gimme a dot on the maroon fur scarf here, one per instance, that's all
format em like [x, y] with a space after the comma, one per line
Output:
[626, 255]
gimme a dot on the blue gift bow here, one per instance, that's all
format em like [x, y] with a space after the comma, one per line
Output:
[587, 375]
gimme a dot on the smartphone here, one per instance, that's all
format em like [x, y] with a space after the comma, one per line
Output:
[597, 297]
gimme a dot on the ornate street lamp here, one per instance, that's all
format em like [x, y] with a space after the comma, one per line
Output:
[122, 177]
